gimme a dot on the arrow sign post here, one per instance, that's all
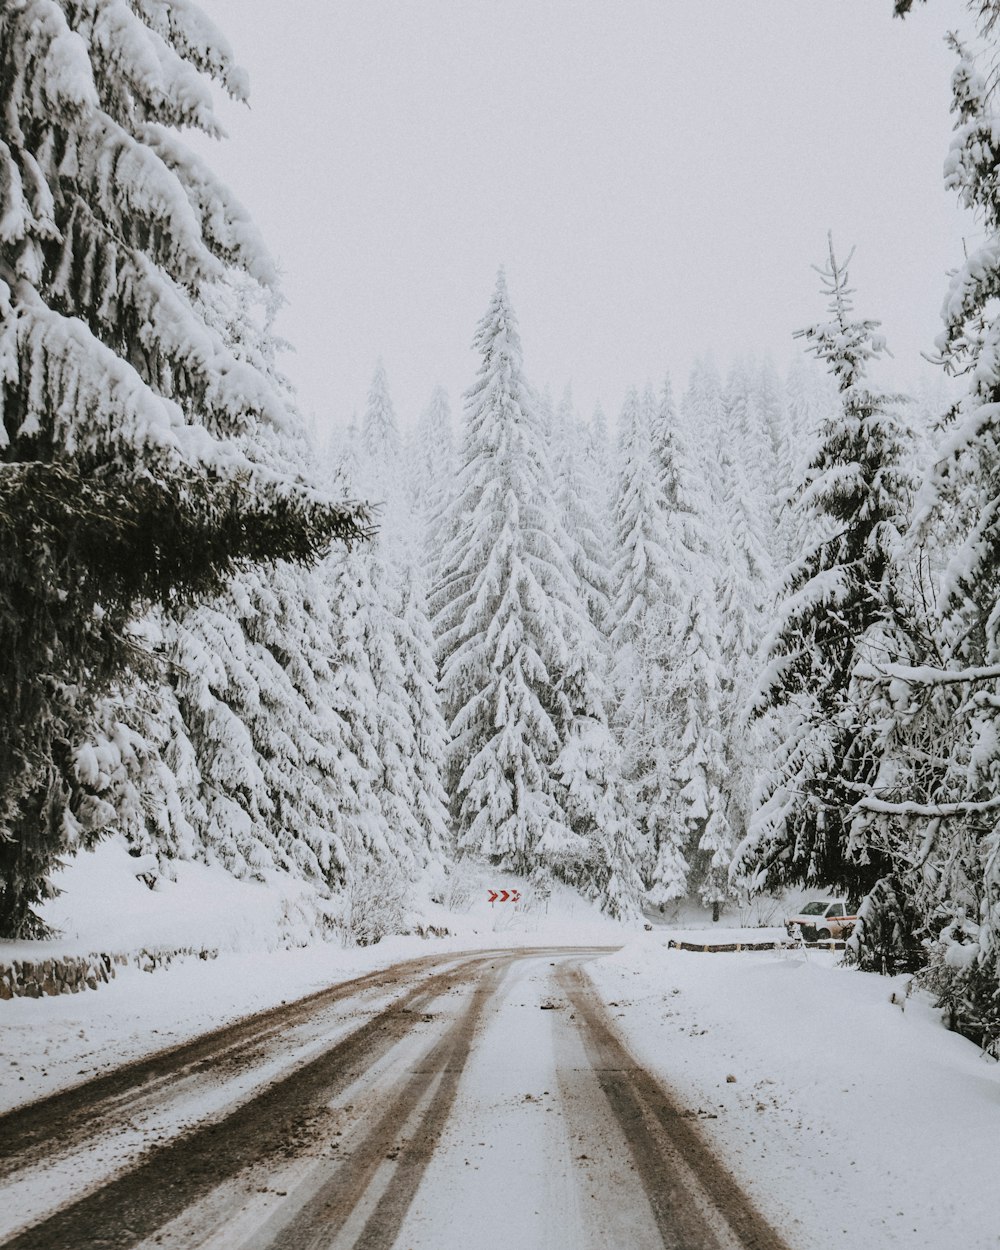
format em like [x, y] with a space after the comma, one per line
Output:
[503, 896]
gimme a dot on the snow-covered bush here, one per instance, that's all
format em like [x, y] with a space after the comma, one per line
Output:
[377, 905]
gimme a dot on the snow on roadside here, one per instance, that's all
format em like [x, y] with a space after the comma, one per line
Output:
[717, 936]
[850, 1119]
[104, 905]
[48, 1044]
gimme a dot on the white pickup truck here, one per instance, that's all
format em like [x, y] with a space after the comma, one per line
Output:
[823, 918]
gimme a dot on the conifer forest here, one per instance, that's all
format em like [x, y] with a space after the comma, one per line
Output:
[734, 633]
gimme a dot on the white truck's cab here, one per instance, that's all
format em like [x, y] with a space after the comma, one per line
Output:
[823, 918]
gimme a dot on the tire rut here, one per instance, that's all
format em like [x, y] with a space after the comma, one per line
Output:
[672, 1159]
[75, 1114]
[279, 1121]
[320, 1220]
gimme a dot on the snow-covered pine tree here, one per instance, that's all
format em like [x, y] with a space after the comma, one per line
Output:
[433, 452]
[747, 437]
[810, 398]
[837, 606]
[695, 679]
[394, 782]
[644, 615]
[589, 769]
[597, 448]
[378, 472]
[257, 684]
[237, 758]
[390, 643]
[115, 388]
[546, 416]
[702, 412]
[355, 617]
[588, 766]
[768, 395]
[699, 759]
[409, 727]
[735, 584]
[135, 774]
[500, 611]
[415, 643]
[940, 814]
[432, 478]
[380, 438]
[584, 527]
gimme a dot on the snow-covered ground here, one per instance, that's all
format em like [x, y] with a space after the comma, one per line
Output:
[848, 1117]
[47, 1044]
[844, 1113]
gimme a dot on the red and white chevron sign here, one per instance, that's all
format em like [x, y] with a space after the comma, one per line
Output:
[504, 896]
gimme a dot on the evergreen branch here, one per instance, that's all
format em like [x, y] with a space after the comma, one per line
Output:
[925, 674]
[960, 808]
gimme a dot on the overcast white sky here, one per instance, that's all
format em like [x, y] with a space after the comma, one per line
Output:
[656, 175]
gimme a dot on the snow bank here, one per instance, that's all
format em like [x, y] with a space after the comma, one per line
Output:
[847, 1115]
[105, 906]
[718, 935]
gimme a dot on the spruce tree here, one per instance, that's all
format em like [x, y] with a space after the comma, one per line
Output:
[380, 438]
[121, 483]
[642, 645]
[589, 769]
[431, 464]
[501, 606]
[431, 480]
[415, 643]
[585, 529]
[837, 598]
[738, 589]
[409, 728]
[936, 803]
[694, 679]
[810, 398]
[588, 766]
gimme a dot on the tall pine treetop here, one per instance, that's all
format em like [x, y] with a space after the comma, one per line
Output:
[499, 391]
[846, 346]
[379, 431]
[838, 602]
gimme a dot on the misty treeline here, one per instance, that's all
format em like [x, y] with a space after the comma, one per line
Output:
[742, 636]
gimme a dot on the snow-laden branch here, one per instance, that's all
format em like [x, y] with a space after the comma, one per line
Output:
[925, 674]
[965, 808]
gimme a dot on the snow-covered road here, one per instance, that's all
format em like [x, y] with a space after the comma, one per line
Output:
[455, 1101]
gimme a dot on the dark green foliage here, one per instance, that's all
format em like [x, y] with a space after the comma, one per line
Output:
[890, 927]
[839, 604]
[988, 11]
[964, 984]
[81, 552]
[133, 400]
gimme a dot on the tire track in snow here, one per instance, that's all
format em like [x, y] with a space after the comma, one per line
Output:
[418, 1112]
[363, 1198]
[77, 1114]
[696, 1202]
[121, 1213]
